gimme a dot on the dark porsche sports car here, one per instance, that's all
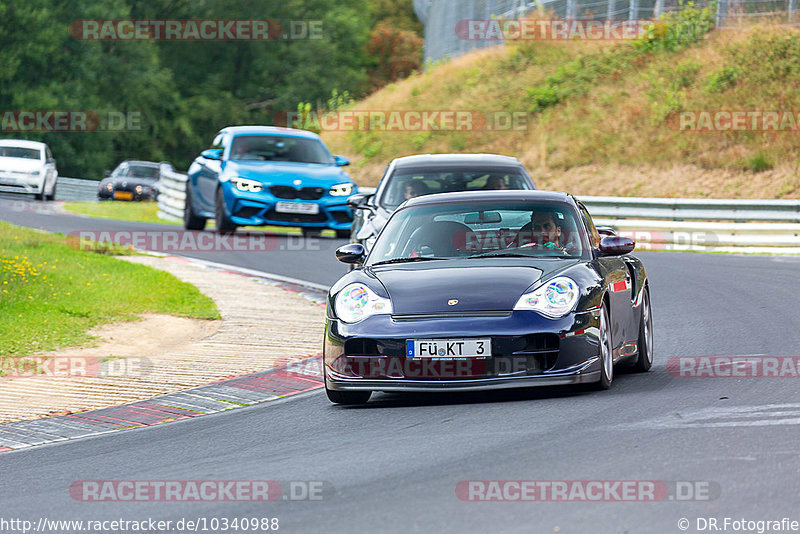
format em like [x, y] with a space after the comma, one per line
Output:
[485, 290]
[131, 180]
[424, 174]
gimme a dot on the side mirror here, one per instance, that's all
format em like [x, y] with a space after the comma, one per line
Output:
[359, 201]
[212, 153]
[341, 161]
[616, 245]
[352, 253]
[606, 231]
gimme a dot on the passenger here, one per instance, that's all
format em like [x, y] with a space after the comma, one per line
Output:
[496, 182]
[415, 188]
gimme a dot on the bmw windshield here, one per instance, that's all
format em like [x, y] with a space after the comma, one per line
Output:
[279, 148]
[499, 229]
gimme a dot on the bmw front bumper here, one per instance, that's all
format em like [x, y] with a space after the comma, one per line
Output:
[258, 209]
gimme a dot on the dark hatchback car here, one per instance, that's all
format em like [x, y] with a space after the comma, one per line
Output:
[131, 180]
[486, 290]
[424, 174]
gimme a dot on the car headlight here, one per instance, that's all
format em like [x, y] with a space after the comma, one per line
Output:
[341, 190]
[356, 302]
[555, 298]
[243, 184]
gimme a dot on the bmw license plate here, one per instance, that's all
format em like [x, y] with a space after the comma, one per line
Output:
[449, 348]
[297, 207]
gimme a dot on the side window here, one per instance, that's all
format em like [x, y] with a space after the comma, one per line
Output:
[594, 237]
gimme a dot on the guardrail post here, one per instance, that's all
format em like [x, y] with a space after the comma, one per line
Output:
[571, 9]
[722, 13]
[658, 9]
[611, 8]
[633, 10]
[792, 8]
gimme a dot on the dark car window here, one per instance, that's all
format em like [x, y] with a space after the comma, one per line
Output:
[542, 229]
[279, 148]
[142, 171]
[594, 236]
[18, 152]
[405, 184]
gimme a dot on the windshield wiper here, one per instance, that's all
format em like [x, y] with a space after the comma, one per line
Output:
[407, 260]
[500, 254]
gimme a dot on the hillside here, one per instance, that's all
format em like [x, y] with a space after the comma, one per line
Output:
[603, 116]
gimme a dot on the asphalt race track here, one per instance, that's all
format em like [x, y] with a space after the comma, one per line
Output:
[394, 465]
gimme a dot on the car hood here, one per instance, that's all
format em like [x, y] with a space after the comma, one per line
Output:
[286, 172]
[494, 285]
[20, 164]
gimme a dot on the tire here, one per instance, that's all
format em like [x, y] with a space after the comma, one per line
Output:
[606, 352]
[645, 344]
[346, 397]
[190, 220]
[343, 234]
[223, 222]
[52, 195]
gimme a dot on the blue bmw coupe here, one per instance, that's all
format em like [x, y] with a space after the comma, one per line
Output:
[263, 175]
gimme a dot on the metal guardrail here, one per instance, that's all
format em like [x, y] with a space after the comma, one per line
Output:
[76, 189]
[680, 224]
[172, 195]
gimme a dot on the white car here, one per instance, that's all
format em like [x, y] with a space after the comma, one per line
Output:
[27, 167]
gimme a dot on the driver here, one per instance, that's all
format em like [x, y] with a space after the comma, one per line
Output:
[546, 231]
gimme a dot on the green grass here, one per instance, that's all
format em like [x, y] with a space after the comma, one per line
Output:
[51, 292]
[147, 212]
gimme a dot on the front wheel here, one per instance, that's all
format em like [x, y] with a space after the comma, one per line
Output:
[223, 222]
[645, 358]
[606, 352]
[345, 397]
[190, 220]
[52, 195]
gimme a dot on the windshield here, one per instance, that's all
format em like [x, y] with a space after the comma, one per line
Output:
[143, 171]
[277, 148]
[409, 183]
[18, 152]
[524, 229]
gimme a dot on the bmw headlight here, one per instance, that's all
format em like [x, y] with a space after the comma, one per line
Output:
[243, 184]
[356, 302]
[341, 190]
[555, 298]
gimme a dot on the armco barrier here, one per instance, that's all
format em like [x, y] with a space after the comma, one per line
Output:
[712, 225]
[172, 196]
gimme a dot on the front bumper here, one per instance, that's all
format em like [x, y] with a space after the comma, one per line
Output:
[527, 350]
[21, 183]
[259, 209]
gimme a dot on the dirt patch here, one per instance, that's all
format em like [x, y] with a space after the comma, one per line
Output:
[263, 326]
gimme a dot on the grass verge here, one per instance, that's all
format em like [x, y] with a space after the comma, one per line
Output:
[147, 212]
[51, 293]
